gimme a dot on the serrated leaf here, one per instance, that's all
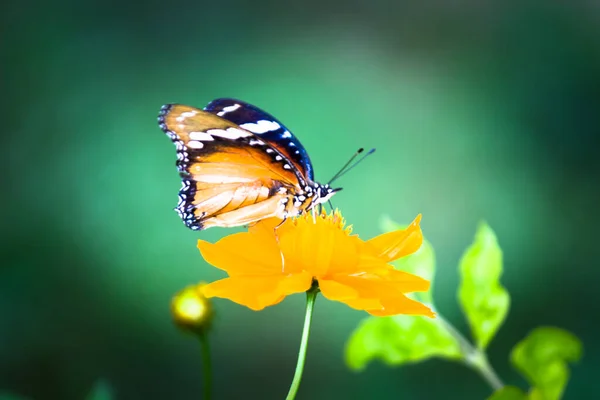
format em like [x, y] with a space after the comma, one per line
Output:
[508, 393]
[100, 391]
[420, 263]
[484, 301]
[399, 340]
[543, 357]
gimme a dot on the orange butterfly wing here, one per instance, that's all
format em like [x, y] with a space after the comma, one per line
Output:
[230, 176]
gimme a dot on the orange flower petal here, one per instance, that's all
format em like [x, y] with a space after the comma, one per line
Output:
[258, 292]
[402, 305]
[383, 295]
[318, 247]
[336, 291]
[270, 227]
[296, 283]
[364, 304]
[403, 281]
[243, 253]
[393, 245]
[373, 268]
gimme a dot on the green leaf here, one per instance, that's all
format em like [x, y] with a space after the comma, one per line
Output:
[536, 394]
[483, 299]
[543, 357]
[100, 391]
[508, 393]
[421, 263]
[399, 340]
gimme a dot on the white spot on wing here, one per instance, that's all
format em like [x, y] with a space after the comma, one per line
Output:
[261, 126]
[200, 136]
[186, 114]
[286, 134]
[228, 109]
[256, 141]
[194, 144]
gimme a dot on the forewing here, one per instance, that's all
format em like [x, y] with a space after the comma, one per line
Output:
[267, 127]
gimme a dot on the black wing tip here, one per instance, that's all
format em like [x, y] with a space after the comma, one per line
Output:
[186, 213]
[162, 114]
[228, 99]
[185, 208]
[190, 221]
[164, 110]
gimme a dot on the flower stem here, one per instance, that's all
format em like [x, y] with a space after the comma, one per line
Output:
[311, 295]
[207, 366]
[473, 357]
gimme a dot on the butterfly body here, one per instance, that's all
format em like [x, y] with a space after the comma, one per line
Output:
[238, 165]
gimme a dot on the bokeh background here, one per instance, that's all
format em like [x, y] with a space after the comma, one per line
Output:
[478, 110]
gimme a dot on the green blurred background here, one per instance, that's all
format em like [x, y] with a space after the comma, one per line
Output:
[477, 110]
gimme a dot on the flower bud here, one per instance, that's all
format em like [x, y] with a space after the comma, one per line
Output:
[191, 310]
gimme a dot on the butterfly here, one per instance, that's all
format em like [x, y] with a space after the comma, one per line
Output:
[238, 165]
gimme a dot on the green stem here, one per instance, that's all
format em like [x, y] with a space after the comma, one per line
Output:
[474, 357]
[207, 366]
[311, 295]
[488, 373]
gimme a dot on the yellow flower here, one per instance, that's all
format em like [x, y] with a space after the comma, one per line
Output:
[191, 310]
[266, 264]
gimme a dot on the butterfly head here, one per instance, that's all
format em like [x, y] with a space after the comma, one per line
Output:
[315, 193]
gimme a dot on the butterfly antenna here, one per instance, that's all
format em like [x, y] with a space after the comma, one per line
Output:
[347, 168]
[345, 165]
